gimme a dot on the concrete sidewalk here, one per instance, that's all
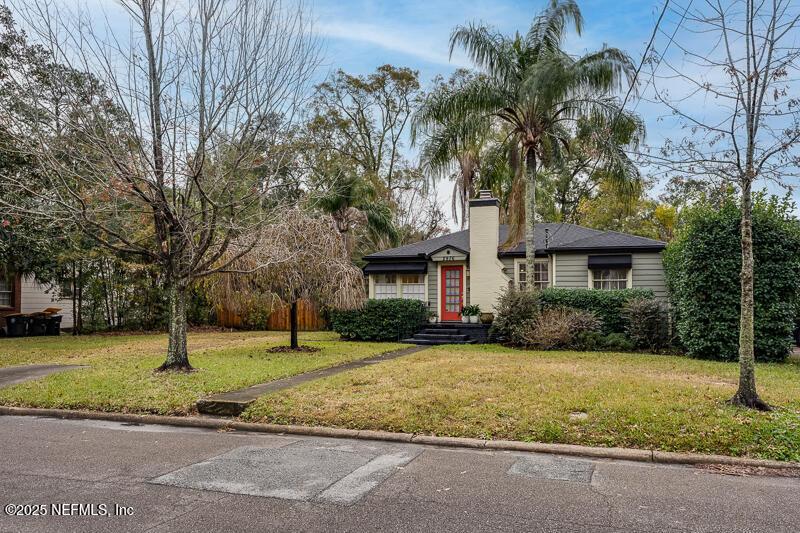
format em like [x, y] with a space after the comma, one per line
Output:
[191, 479]
[12, 375]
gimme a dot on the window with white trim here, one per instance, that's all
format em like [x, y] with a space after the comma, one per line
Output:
[609, 279]
[541, 274]
[385, 286]
[412, 287]
[6, 290]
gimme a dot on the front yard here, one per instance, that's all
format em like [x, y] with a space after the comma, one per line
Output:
[121, 377]
[597, 399]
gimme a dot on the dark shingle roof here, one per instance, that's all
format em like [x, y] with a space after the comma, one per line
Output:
[610, 239]
[560, 234]
[563, 237]
[458, 239]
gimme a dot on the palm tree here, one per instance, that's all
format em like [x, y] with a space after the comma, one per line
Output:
[597, 158]
[455, 155]
[352, 201]
[531, 86]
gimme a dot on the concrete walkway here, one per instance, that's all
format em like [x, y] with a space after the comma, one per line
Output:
[12, 375]
[235, 402]
[161, 478]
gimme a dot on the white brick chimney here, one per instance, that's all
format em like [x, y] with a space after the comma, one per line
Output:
[486, 277]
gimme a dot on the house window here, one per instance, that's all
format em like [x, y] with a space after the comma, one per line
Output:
[609, 279]
[412, 287]
[541, 274]
[385, 286]
[6, 290]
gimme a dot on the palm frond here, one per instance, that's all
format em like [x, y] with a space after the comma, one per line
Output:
[480, 97]
[486, 48]
[603, 71]
[380, 222]
[548, 30]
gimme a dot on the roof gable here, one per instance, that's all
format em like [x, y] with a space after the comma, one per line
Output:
[458, 239]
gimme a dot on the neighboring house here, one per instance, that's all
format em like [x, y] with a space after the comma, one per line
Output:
[22, 294]
[470, 267]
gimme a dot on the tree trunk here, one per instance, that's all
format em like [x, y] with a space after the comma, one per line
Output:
[293, 326]
[177, 354]
[78, 320]
[74, 301]
[530, 216]
[747, 396]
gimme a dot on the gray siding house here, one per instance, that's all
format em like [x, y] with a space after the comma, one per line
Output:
[471, 267]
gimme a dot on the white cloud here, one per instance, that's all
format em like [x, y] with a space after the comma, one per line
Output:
[397, 40]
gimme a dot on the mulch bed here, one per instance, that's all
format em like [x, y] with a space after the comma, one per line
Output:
[733, 470]
[287, 349]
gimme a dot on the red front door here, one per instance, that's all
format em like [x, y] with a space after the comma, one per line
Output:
[452, 292]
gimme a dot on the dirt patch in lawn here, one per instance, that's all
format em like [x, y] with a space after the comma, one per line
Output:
[289, 349]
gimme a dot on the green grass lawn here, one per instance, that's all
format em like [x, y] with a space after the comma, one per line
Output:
[121, 377]
[632, 400]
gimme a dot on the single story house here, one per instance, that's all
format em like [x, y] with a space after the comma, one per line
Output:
[23, 294]
[470, 267]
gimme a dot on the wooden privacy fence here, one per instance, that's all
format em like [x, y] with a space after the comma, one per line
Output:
[309, 318]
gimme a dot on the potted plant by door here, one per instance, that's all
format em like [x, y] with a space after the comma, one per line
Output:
[469, 314]
[433, 318]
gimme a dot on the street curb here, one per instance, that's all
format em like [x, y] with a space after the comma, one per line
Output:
[623, 454]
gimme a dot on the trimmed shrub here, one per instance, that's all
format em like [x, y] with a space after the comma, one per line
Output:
[703, 267]
[558, 327]
[380, 320]
[606, 305]
[514, 312]
[648, 326]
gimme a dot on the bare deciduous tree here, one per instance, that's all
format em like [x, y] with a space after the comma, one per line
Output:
[733, 89]
[201, 93]
[308, 260]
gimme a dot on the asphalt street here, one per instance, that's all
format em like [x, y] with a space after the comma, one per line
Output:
[106, 476]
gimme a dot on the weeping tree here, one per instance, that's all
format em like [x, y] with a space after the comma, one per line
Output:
[301, 257]
[532, 88]
[200, 95]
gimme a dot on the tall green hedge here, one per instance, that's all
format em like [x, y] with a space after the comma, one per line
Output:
[380, 320]
[607, 305]
[703, 266]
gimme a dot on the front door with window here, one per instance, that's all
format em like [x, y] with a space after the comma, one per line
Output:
[452, 292]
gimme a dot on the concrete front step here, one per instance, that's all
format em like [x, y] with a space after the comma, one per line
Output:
[453, 332]
[436, 342]
[441, 336]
